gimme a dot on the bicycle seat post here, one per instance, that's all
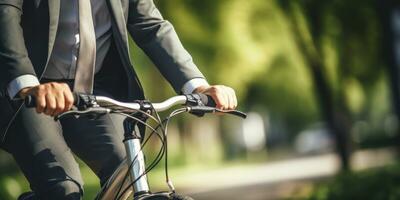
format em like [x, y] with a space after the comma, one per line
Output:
[135, 157]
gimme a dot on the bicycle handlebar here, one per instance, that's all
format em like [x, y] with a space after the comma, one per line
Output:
[83, 100]
[198, 104]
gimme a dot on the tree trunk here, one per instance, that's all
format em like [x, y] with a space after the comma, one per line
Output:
[391, 36]
[334, 113]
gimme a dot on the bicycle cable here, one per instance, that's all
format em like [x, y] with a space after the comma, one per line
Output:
[154, 130]
[153, 163]
[158, 157]
[167, 179]
[163, 150]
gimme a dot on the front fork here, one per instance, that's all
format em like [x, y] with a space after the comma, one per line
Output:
[135, 158]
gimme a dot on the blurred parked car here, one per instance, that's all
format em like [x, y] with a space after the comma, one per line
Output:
[314, 140]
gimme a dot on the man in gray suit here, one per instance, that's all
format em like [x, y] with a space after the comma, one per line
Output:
[50, 47]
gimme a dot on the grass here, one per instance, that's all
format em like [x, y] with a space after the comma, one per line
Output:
[372, 184]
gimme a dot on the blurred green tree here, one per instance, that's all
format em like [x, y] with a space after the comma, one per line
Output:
[343, 60]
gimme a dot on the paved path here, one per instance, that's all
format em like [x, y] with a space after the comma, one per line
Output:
[274, 179]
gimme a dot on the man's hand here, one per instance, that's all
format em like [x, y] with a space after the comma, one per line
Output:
[51, 98]
[224, 96]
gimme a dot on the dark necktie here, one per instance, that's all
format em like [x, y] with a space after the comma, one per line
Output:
[87, 50]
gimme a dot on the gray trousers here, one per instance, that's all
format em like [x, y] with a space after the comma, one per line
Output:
[44, 148]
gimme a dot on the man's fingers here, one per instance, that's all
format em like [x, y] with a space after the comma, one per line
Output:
[40, 103]
[51, 98]
[60, 104]
[227, 102]
[224, 97]
[219, 98]
[230, 97]
[50, 104]
[233, 99]
[69, 100]
[38, 92]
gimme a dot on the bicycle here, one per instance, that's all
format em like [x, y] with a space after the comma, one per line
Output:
[130, 177]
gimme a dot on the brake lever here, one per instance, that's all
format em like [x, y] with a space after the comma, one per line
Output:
[92, 113]
[237, 113]
[201, 110]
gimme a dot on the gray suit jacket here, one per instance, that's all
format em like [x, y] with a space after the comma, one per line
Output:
[28, 30]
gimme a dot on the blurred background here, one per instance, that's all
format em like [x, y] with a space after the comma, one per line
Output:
[320, 81]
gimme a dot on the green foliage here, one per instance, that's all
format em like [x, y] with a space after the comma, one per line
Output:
[251, 46]
[373, 184]
[247, 45]
[9, 188]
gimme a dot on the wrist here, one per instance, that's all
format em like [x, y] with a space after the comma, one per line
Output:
[190, 86]
[200, 89]
[24, 92]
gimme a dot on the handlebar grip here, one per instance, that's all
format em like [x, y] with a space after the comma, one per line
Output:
[30, 100]
[207, 100]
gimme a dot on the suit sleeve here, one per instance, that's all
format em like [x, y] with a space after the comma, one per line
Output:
[14, 60]
[158, 39]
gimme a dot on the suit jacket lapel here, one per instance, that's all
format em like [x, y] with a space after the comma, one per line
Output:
[120, 21]
[54, 14]
[121, 37]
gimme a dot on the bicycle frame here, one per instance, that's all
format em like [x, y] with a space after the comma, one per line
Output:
[112, 186]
